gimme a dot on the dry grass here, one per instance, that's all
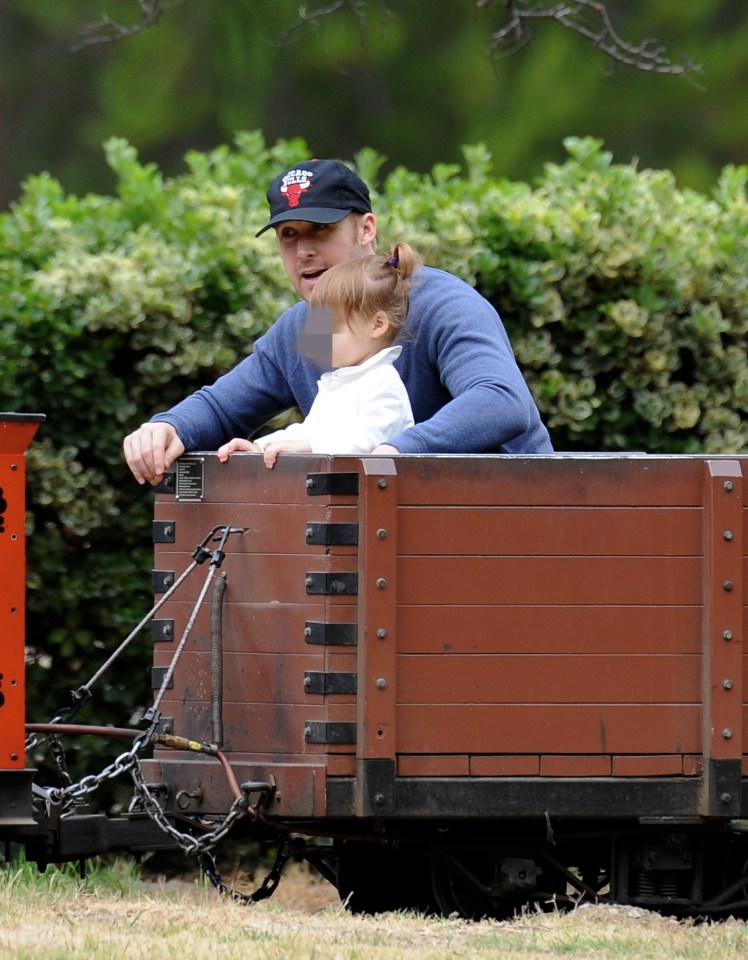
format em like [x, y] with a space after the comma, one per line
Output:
[128, 919]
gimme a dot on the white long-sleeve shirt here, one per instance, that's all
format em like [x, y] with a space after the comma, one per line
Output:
[356, 408]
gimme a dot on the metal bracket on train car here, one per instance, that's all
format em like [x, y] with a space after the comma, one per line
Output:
[375, 787]
[266, 789]
[162, 631]
[333, 682]
[328, 731]
[164, 531]
[332, 484]
[320, 582]
[332, 534]
[722, 788]
[331, 634]
[167, 483]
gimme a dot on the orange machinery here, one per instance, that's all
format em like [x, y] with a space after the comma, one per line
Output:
[16, 432]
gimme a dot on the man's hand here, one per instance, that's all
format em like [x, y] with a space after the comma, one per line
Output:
[386, 448]
[151, 449]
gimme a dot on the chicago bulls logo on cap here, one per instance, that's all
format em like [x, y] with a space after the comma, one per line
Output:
[294, 184]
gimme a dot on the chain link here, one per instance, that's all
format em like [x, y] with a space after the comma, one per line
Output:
[88, 784]
[190, 844]
[266, 889]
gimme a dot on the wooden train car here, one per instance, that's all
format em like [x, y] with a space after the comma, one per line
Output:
[479, 682]
[489, 680]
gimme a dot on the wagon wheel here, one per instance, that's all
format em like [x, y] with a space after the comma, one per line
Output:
[464, 887]
[475, 886]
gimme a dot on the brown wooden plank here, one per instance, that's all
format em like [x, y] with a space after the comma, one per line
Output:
[263, 677]
[443, 766]
[575, 766]
[270, 528]
[341, 765]
[543, 481]
[549, 580]
[340, 710]
[267, 678]
[275, 728]
[550, 531]
[272, 728]
[648, 766]
[338, 661]
[548, 629]
[693, 766]
[504, 765]
[264, 578]
[457, 679]
[251, 627]
[516, 728]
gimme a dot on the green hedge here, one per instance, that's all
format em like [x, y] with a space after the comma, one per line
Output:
[625, 297]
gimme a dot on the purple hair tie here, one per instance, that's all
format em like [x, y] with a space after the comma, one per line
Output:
[394, 262]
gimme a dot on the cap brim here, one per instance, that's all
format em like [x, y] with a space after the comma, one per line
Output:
[309, 215]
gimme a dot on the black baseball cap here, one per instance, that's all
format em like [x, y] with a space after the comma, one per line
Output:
[320, 191]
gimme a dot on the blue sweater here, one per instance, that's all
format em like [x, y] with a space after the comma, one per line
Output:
[466, 390]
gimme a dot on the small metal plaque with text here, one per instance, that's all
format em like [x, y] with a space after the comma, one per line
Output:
[190, 479]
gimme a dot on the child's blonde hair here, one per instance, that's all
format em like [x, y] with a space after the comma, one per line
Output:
[369, 284]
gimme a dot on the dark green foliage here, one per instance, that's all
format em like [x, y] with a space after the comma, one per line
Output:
[625, 297]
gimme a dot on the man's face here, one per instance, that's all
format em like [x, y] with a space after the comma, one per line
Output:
[308, 249]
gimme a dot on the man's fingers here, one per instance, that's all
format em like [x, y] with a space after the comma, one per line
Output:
[151, 449]
[134, 456]
[174, 448]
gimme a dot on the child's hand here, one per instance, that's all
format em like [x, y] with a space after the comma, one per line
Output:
[272, 449]
[232, 446]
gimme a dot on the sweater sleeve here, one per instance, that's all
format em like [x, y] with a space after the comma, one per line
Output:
[242, 400]
[468, 394]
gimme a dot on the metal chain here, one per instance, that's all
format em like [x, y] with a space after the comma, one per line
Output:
[266, 889]
[189, 843]
[58, 755]
[200, 846]
[76, 791]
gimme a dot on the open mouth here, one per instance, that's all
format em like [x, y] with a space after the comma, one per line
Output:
[311, 276]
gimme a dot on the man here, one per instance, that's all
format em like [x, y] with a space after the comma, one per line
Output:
[465, 388]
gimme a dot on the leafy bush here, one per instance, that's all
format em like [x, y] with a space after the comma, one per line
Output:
[627, 303]
[625, 297]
